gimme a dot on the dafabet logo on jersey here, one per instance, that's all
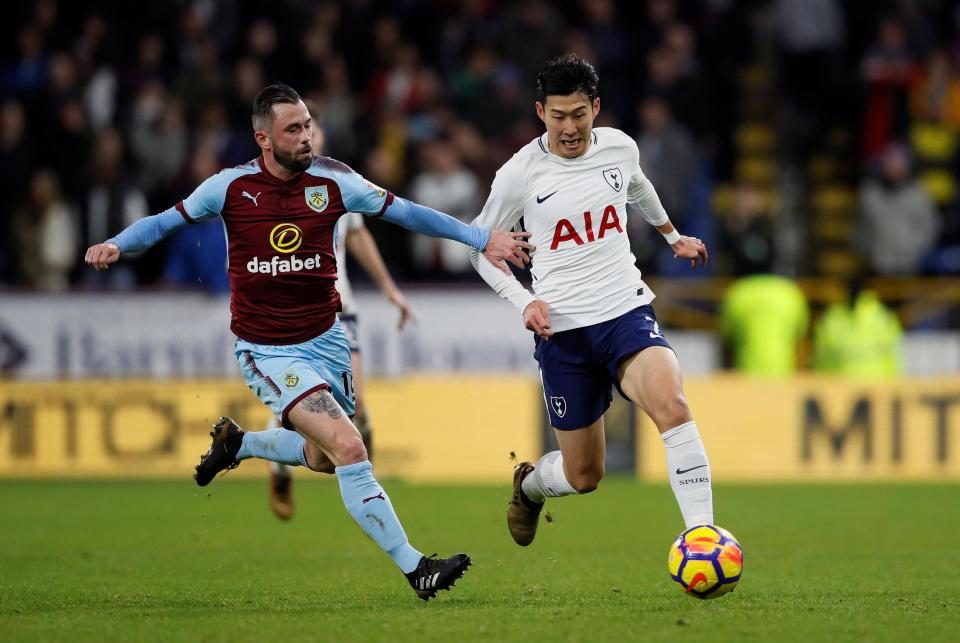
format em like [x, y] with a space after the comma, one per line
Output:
[317, 197]
[286, 237]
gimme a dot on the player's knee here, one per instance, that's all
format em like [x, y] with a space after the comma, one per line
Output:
[672, 412]
[351, 451]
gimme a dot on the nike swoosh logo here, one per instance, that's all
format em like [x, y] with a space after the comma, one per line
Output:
[542, 199]
[680, 472]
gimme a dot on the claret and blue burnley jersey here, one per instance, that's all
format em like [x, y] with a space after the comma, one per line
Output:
[576, 210]
[281, 238]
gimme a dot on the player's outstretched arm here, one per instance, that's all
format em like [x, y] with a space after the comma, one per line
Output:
[363, 247]
[498, 246]
[143, 234]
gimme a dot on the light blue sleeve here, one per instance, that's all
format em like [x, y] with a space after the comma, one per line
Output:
[148, 231]
[359, 195]
[420, 218]
[207, 200]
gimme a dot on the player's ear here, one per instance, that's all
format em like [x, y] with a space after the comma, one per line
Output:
[540, 112]
[596, 106]
[262, 139]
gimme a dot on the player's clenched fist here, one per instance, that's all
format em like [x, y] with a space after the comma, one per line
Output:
[102, 255]
[509, 246]
[536, 317]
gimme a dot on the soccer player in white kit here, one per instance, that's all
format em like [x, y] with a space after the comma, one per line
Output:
[590, 309]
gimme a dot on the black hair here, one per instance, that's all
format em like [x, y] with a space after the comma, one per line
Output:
[269, 96]
[565, 75]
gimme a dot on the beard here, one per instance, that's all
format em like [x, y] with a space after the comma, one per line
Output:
[290, 161]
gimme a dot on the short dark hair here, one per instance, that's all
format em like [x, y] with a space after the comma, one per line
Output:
[565, 75]
[269, 96]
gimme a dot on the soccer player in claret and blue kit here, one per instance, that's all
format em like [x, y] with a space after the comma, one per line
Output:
[280, 212]
[590, 310]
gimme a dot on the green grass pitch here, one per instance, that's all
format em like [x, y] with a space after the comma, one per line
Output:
[166, 561]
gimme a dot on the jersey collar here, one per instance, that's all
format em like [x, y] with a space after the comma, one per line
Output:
[542, 142]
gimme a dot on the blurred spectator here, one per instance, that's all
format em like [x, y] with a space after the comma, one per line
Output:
[858, 337]
[612, 45]
[17, 156]
[810, 36]
[447, 186]
[681, 90]
[68, 144]
[668, 156]
[898, 221]
[889, 67]
[763, 320]
[747, 233]
[197, 256]
[158, 137]
[531, 32]
[200, 82]
[113, 203]
[335, 109]
[45, 236]
[28, 74]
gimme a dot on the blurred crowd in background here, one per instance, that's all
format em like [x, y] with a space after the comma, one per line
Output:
[813, 137]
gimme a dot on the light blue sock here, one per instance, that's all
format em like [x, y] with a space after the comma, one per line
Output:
[276, 445]
[370, 506]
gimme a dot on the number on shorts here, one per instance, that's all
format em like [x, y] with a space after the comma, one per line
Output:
[347, 378]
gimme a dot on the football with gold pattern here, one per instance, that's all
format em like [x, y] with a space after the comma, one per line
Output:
[706, 561]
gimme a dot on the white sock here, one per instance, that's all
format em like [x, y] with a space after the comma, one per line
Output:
[281, 470]
[547, 480]
[689, 472]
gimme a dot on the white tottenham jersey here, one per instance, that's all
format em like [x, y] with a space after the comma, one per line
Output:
[349, 221]
[576, 211]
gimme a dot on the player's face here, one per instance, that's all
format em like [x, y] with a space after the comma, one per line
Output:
[289, 139]
[569, 120]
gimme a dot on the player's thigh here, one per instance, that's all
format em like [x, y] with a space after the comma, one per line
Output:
[329, 357]
[576, 390]
[584, 452]
[323, 422]
[652, 380]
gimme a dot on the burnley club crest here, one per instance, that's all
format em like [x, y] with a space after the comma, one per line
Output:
[317, 197]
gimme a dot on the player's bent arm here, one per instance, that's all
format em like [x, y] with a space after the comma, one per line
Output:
[502, 211]
[503, 283]
[642, 194]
